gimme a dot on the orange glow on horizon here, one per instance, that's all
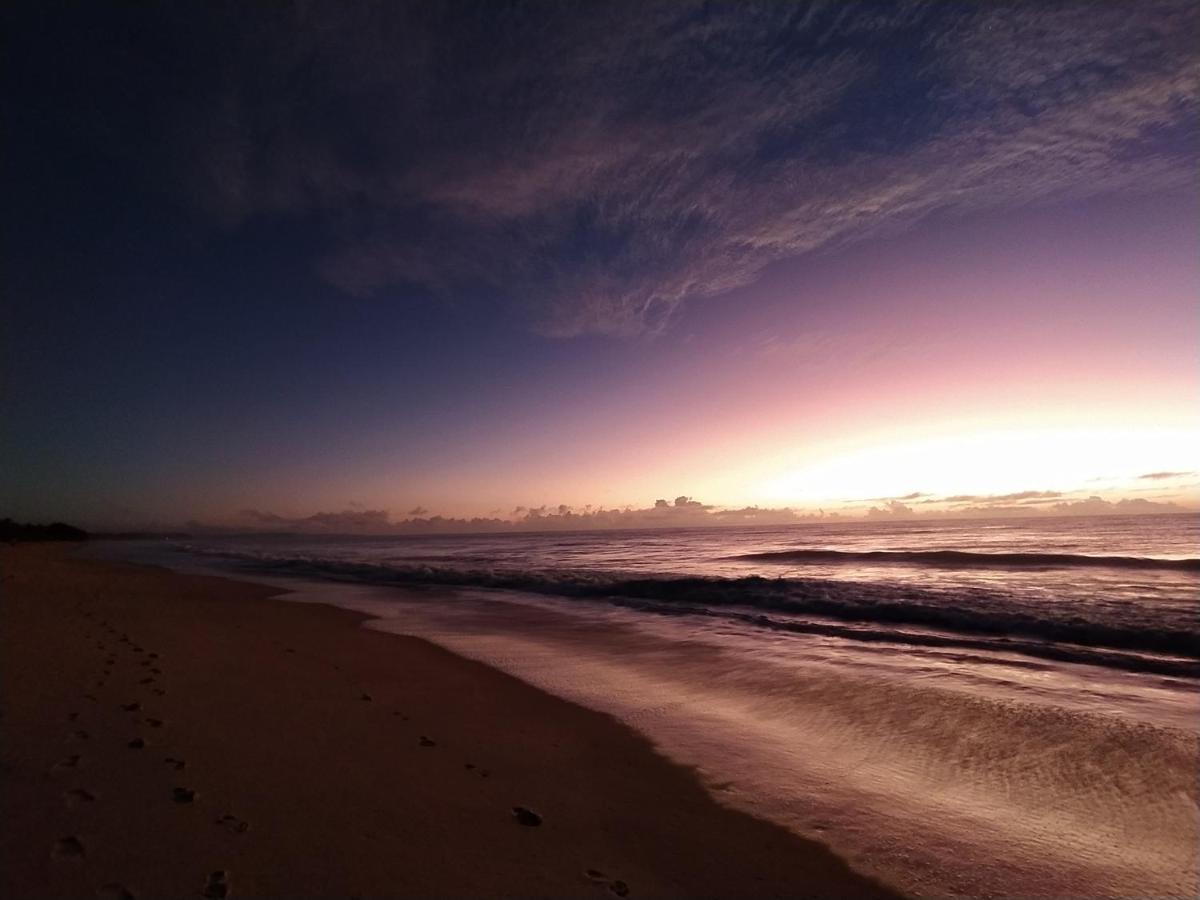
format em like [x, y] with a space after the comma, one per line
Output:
[986, 463]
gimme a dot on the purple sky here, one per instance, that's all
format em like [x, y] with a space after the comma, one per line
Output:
[468, 261]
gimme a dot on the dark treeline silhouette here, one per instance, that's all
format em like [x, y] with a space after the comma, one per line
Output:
[12, 532]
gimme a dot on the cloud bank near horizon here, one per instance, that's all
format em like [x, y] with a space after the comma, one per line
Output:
[686, 512]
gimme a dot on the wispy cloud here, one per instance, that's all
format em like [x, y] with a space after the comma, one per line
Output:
[914, 495]
[595, 166]
[1164, 476]
[1026, 503]
[1015, 497]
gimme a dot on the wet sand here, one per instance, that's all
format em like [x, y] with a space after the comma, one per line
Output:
[171, 735]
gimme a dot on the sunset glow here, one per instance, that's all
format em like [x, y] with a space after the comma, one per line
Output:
[993, 463]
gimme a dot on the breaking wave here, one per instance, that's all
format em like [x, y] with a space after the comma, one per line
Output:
[967, 617]
[970, 559]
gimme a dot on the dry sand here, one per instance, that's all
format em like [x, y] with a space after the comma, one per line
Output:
[181, 736]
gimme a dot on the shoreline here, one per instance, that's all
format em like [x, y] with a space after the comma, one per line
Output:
[329, 760]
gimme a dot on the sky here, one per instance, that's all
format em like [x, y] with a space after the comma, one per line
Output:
[362, 266]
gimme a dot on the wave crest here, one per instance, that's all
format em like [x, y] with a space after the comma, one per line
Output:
[972, 559]
[861, 611]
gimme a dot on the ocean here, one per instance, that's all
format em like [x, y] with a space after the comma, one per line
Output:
[962, 708]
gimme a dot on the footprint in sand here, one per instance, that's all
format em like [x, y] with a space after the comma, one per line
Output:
[153, 723]
[137, 744]
[159, 691]
[114, 891]
[233, 823]
[71, 717]
[526, 816]
[218, 885]
[131, 707]
[80, 735]
[616, 885]
[176, 764]
[76, 796]
[183, 795]
[70, 762]
[68, 848]
[426, 742]
[365, 696]
[147, 680]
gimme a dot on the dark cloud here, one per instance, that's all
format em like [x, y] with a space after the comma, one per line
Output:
[594, 166]
[1018, 496]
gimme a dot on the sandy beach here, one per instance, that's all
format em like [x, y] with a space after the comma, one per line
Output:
[168, 735]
